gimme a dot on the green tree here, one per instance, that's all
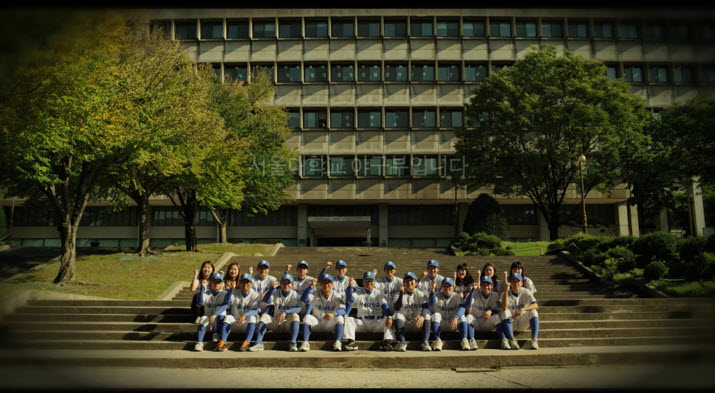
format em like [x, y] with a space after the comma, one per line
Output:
[532, 120]
[486, 215]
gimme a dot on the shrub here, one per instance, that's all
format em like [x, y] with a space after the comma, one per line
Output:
[710, 243]
[700, 269]
[499, 251]
[624, 257]
[557, 244]
[593, 257]
[609, 242]
[486, 215]
[480, 244]
[654, 271]
[655, 246]
[583, 242]
[691, 248]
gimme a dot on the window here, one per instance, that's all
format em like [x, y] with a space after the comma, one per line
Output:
[452, 166]
[264, 29]
[499, 28]
[397, 118]
[422, 72]
[654, 32]
[369, 28]
[551, 30]
[447, 28]
[217, 70]
[185, 30]
[293, 118]
[628, 31]
[316, 73]
[342, 166]
[423, 118]
[342, 28]
[211, 30]
[421, 28]
[371, 118]
[396, 72]
[632, 74]
[288, 73]
[313, 166]
[680, 32]
[236, 29]
[166, 216]
[370, 166]
[450, 118]
[425, 166]
[520, 214]
[163, 25]
[369, 73]
[342, 119]
[396, 166]
[204, 218]
[611, 72]
[683, 74]
[316, 28]
[395, 28]
[267, 68]
[498, 67]
[658, 74]
[526, 29]
[475, 72]
[237, 72]
[342, 73]
[421, 215]
[284, 216]
[315, 119]
[473, 28]
[102, 216]
[578, 30]
[602, 30]
[289, 29]
[448, 72]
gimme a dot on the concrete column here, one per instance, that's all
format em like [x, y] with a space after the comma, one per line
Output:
[543, 227]
[698, 212]
[313, 238]
[622, 225]
[663, 221]
[302, 225]
[383, 232]
[633, 220]
[462, 210]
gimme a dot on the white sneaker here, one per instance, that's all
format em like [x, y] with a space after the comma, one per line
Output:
[437, 345]
[199, 347]
[293, 347]
[337, 346]
[505, 344]
[197, 320]
[256, 348]
[534, 344]
[425, 347]
[305, 347]
[514, 344]
[215, 337]
[403, 347]
[465, 344]
[473, 344]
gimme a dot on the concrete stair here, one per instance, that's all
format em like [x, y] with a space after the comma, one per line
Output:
[580, 323]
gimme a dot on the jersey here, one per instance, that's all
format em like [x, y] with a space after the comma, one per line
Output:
[447, 306]
[261, 285]
[340, 286]
[301, 285]
[241, 304]
[480, 305]
[425, 284]
[497, 287]
[323, 305]
[369, 304]
[214, 300]
[528, 284]
[390, 289]
[412, 304]
[282, 303]
[523, 299]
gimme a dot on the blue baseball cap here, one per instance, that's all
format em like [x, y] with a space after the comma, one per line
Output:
[432, 262]
[410, 275]
[246, 276]
[303, 263]
[263, 263]
[340, 263]
[517, 276]
[448, 280]
[217, 276]
[327, 277]
[390, 264]
[368, 276]
[288, 277]
[486, 279]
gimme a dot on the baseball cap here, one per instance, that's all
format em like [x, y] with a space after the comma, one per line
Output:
[217, 276]
[516, 275]
[448, 280]
[410, 275]
[327, 277]
[341, 263]
[303, 263]
[432, 262]
[390, 264]
[246, 276]
[263, 263]
[486, 279]
[288, 277]
[368, 276]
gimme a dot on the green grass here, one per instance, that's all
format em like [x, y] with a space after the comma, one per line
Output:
[687, 289]
[126, 276]
[526, 249]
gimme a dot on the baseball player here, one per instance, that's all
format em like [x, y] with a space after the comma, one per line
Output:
[214, 304]
[301, 281]
[341, 279]
[262, 281]
[446, 306]
[429, 276]
[324, 312]
[243, 305]
[520, 311]
[389, 285]
[411, 312]
[483, 308]
[373, 312]
[284, 304]
[516, 267]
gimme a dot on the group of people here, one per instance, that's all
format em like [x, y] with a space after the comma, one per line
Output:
[253, 304]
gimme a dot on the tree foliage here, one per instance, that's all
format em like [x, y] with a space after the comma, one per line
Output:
[532, 120]
[486, 215]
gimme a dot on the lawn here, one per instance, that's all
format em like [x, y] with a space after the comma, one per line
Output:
[125, 275]
[688, 289]
[526, 249]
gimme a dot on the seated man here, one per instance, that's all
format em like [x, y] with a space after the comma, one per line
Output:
[340, 281]
[285, 306]
[411, 312]
[324, 312]
[373, 313]
[519, 307]
[429, 276]
[483, 309]
[446, 306]
[215, 305]
[262, 281]
[243, 304]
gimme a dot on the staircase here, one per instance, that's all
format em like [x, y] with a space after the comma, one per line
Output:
[581, 322]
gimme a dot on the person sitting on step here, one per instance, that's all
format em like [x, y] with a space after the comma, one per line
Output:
[520, 311]
[412, 313]
[483, 309]
[244, 304]
[341, 279]
[325, 312]
[429, 276]
[517, 267]
[490, 270]
[446, 306]
[373, 313]
[200, 280]
[214, 303]
[284, 304]
[462, 281]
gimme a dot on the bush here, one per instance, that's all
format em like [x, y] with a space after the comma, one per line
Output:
[583, 242]
[557, 244]
[655, 246]
[593, 257]
[624, 257]
[609, 242]
[500, 252]
[691, 248]
[654, 271]
[710, 243]
[479, 244]
[700, 269]
[486, 215]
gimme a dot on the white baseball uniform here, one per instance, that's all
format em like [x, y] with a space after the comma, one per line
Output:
[528, 284]
[425, 284]
[282, 302]
[369, 315]
[480, 305]
[340, 285]
[412, 305]
[446, 307]
[324, 305]
[239, 304]
[389, 288]
[212, 302]
[522, 299]
[261, 285]
[299, 286]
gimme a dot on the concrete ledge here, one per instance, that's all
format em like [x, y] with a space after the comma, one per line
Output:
[223, 259]
[173, 290]
[9, 304]
[275, 249]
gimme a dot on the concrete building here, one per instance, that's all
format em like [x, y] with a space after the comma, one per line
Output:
[375, 96]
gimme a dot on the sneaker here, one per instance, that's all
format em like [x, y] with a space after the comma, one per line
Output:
[465, 344]
[534, 344]
[337, 346]
[351, 345]
[505, 344]
[197, 320]
[473, 344]
[514, 344]
[256, 348]
[221, 347]
[305, 347]
[402, 347]
[216, 337]
[386, 346]
[244, 346]
[293, 347]
[437, 345]
[199, 347]
[425, 347]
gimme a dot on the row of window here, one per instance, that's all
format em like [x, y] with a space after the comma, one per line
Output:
[314, 118]
[504, 27]
[382, 166]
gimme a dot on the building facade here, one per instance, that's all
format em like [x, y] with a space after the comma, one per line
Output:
[374, 97]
